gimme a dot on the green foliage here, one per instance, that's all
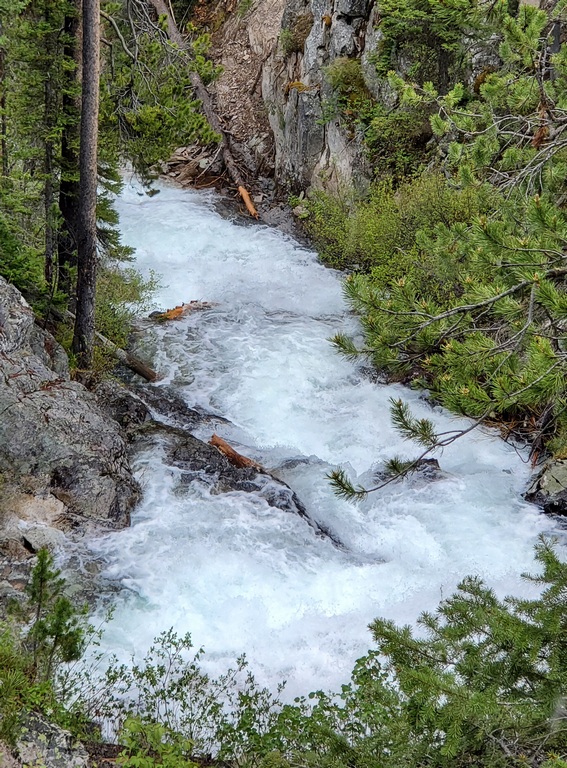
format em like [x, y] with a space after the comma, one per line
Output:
[489, 345]
[379, 233]
[20, 265]
[432, 34]
[148, 109]
[56, 634]
[149, 744]
[45, 632]
[396, 140]
[122, 293]
[506, 130]
[292, 38]
[345, 76]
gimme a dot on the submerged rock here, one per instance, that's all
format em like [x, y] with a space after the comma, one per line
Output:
[549, 488]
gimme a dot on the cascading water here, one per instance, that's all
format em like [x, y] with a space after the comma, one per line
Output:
[242, 576]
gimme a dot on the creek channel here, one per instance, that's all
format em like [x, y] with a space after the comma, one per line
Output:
[238, 574]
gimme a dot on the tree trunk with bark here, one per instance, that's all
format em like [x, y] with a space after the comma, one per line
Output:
[84, 333]
[70, 140]
[50, 105]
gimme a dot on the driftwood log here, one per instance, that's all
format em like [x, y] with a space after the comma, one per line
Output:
[233, 456]
[205, 98]
[181, 310]
[129, 360]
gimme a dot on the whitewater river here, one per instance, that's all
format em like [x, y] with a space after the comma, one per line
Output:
[240, 575]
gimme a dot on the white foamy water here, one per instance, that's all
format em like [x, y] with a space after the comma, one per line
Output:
[245, 577]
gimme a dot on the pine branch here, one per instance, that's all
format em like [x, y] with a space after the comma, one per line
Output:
[346, 346]
[343, 488]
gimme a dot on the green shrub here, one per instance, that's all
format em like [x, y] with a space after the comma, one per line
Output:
[382, 233]
[122, 293]
[396, 141]
[45, 632]
[20, 264]
[345, 76]
[293, 37]
[148, 744]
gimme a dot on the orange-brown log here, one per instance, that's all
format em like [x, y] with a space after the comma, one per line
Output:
[181, 309]
[247, 202]
[233, 456]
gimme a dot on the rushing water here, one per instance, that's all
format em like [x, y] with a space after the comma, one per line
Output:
[243, 576]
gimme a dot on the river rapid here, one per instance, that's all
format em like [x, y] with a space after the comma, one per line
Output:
[242, 576]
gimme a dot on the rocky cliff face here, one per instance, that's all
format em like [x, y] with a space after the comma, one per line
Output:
[277, 101]
[273, 90]
[62, 461]
[311, 150]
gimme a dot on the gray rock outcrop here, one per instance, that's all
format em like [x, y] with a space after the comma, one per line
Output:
[46, 745]
[62, 460]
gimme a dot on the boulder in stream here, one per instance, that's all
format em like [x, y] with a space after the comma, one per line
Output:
[549, 488]
[199, 461]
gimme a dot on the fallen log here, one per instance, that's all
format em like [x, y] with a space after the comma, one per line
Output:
[129, 360]
[233, 456]
[181, 309]
[204, 97]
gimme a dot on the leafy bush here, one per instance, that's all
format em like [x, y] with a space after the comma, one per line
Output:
[345, 76]
[379, 234]
[149, 744]
[396, 141]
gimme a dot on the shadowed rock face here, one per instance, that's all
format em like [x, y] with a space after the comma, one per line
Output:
[549, 488]
[55, 441]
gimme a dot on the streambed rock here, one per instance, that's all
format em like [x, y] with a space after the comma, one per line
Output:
[56, 444]
[549, 488]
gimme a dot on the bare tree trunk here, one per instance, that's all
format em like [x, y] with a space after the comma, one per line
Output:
[84, 333]
[50, 118]
[69, 186]
[3, 121]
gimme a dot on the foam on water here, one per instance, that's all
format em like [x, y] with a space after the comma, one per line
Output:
[242, 576]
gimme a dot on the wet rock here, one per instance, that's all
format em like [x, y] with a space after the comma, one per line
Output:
[426, 469]
[166, 404]
[201, 462]
[430, 469]
[47, 745]
[549, 488]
